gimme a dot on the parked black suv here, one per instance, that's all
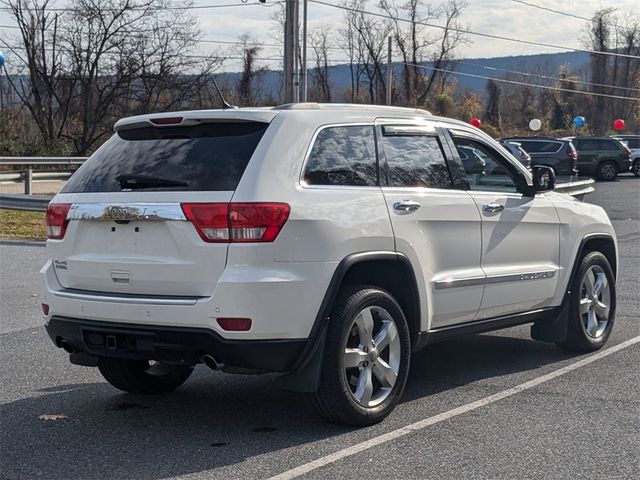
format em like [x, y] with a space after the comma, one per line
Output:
[602, 157]
[558, 154]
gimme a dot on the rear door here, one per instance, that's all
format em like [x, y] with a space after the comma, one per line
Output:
[435, 224]
[587, 154]
[128, 230]
[520, 234]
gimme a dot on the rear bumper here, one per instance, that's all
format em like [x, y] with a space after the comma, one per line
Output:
[171, 344]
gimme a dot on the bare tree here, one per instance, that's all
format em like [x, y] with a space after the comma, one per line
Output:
[42, 61]
[492, 112]
[372, 33]
[248, 91]
[319, 42]
[607, 34]
[354, 49]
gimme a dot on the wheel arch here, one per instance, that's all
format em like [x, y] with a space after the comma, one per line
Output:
[391, 271]
[556, 330]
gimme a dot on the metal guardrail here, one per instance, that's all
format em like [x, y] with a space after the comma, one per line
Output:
[578, 188]
[29, 203]
[19, 176]
[31, 162]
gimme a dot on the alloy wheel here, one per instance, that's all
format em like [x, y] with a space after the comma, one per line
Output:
[372, 353]
[595, 301]
[608, 171]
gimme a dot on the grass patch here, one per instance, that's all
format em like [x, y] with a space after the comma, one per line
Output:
[16, 224]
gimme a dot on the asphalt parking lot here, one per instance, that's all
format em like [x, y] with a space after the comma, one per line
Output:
[59, 421]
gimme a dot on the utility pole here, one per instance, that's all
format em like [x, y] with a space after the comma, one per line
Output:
[389, 71]
[291, 81]
[304, 50]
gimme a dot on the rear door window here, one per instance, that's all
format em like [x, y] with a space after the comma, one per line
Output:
[206, 157]
[607, 145]
[343, 155]
[415, 160]
[587, 144]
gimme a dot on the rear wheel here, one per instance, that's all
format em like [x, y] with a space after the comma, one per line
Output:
[593, 305]
[366, 358]
[607, 171]
[636, 167]
[143, 376]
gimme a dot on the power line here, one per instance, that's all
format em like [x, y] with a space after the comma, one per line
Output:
[223, 57]
[567, 14]
[148, 9]
[470, 32]
[546, 77]
[515, 82]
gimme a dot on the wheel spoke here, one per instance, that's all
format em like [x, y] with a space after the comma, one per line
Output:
[353, 357]
[364, 389]
[600, 284]
[364, 322]
[383, 372]
[592, 324]
[589, 281]
[585, 304]
[602, 310]
[386, 335]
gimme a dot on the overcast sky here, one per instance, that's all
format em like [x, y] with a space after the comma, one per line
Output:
[497, 17]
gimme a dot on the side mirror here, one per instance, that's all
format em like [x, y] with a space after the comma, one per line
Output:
[544, 178]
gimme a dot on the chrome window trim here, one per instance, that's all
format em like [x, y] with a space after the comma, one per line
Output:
[314, 137]
[489, 280]
[130, 299]
[107, 211]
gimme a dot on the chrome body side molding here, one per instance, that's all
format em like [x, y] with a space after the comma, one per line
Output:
[511, 277]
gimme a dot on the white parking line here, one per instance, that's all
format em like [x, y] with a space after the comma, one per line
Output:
[400, 432]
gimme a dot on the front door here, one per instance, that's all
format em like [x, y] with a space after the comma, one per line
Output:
[520, 234]
[435, 225]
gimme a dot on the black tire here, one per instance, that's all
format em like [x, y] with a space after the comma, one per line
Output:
[577, 337]
[607, 171]
[635, 168]
[335, 399]
[139, 376]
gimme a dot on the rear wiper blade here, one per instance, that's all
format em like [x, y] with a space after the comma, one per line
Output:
[135, 182]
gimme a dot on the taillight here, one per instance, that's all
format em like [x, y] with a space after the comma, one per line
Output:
[56, 220]
[627, 152]
[237, 222]
[257, 222]
[573, 155]
[210, 219]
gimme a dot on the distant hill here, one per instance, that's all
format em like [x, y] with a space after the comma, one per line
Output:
[546, 64]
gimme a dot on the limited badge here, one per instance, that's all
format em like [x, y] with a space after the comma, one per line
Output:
[61, 264]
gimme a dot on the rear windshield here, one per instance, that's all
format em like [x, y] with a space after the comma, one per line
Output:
[207, 157]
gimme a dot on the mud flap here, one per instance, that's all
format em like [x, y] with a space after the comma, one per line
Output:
[554, 330]
[305, 378]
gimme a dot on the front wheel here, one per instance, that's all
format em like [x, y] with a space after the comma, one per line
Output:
[636, 167]
[143, 376]
[593, 305]
[366, 358]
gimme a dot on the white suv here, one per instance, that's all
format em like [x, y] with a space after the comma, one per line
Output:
[326, 242]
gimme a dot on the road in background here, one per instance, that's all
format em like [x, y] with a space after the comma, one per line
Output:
[583, 424]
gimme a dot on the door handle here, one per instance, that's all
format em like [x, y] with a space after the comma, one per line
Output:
[493, 207]
[406, 206]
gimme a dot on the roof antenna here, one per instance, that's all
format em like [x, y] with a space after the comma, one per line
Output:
[225, 105]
